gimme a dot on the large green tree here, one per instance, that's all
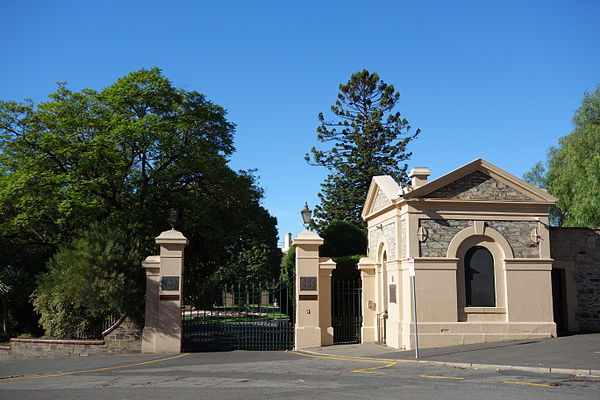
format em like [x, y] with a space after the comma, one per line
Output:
[122, 157]
[368, 137]
[572, 170]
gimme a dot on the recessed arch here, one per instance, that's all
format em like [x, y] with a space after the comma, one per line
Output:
[498, 251]
[381, 251]
[471, 231]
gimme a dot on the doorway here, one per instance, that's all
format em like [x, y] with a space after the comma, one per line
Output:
[559, 301]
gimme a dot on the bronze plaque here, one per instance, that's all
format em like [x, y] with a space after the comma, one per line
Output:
[169, 283]
[308, 283]
[392, 293]
[309, 297]
[169, 297]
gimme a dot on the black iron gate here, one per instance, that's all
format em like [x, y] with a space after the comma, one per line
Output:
[241, 317]
[346, 311]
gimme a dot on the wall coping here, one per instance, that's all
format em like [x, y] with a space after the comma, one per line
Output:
[58, 341]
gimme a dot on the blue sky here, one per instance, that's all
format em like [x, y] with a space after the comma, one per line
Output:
[493, 79]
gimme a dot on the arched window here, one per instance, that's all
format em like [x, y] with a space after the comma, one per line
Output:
[479, 278]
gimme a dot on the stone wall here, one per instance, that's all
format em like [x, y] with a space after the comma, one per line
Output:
[478, 186]
[441, 232]
[582, 247]
[386, 234]
[126, 338]
[518, 235]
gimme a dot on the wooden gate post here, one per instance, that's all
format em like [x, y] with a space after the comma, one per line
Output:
[164, 291]
[313, 293]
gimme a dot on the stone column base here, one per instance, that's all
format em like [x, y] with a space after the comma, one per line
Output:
[305, 337]
[327, 336]
[148, 339]
[367, 334]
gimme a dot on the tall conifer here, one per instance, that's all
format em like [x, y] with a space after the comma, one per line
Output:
[368, 137]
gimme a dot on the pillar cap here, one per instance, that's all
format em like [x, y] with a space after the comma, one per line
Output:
[307, 238]
[326, 263]
[172, 237]
[366, 263]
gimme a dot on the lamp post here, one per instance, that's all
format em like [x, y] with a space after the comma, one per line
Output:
[306, 214]
[172, 218]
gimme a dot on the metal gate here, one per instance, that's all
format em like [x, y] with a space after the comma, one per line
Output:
[346, 311]
[241, 317]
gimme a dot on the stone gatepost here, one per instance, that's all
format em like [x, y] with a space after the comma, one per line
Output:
[313, 293]
[164, 291]
[326, 267]
[368, 331]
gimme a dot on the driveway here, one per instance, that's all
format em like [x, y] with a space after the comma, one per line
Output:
[273, 375]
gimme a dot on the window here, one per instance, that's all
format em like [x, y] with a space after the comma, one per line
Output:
[479, 278]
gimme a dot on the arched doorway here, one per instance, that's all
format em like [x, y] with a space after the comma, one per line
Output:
[479, 278]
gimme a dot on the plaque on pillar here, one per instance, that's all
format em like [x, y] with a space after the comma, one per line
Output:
[169, 283]
[308, 283]
[392, 293]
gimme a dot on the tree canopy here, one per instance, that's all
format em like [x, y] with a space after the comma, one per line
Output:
[572, 170]
[342, 238]
[122, 157]
[368, 137]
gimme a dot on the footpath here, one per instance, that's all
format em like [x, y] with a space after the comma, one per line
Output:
[576, 355]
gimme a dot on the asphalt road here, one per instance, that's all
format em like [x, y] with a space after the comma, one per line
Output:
[272, 375]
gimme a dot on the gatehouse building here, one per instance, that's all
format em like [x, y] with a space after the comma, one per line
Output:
[485, 265]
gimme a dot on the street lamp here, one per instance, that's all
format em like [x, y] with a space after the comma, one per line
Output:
[172, 218]
[306, 213]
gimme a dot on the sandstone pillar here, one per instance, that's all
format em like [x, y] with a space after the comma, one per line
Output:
[313, 293]
[368, 331]
[326, 267]
[164, 291]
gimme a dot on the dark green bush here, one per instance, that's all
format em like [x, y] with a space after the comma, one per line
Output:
[342, 239]
[90, 278]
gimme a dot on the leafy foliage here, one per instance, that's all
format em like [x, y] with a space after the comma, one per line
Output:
[126, 155]
[289, 266]
[347, 267]
[369, 137]
[572, 171]
[89, 278]
[13, 282]
[341, 238]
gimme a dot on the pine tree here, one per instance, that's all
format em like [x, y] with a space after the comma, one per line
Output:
[369, 137]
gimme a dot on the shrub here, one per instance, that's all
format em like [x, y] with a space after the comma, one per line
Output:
[343, 239]
[346, 268]
[89, 278]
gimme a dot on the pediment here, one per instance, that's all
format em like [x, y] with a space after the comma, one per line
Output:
[480, 181]
[478, 186]
[382, 192]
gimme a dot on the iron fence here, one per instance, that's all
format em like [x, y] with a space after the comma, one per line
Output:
[241, 317]
[346, 313]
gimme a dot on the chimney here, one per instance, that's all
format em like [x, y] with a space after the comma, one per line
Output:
[419, 176]
[287, 242]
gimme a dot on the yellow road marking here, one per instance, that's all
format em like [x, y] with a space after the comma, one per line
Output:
[362, 370]
[96, 369]
[527, 383]
[370, 370]
[440, 377]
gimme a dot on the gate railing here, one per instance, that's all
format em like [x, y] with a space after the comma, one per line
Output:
[381, 326]
[346, 311]
[240, 317]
